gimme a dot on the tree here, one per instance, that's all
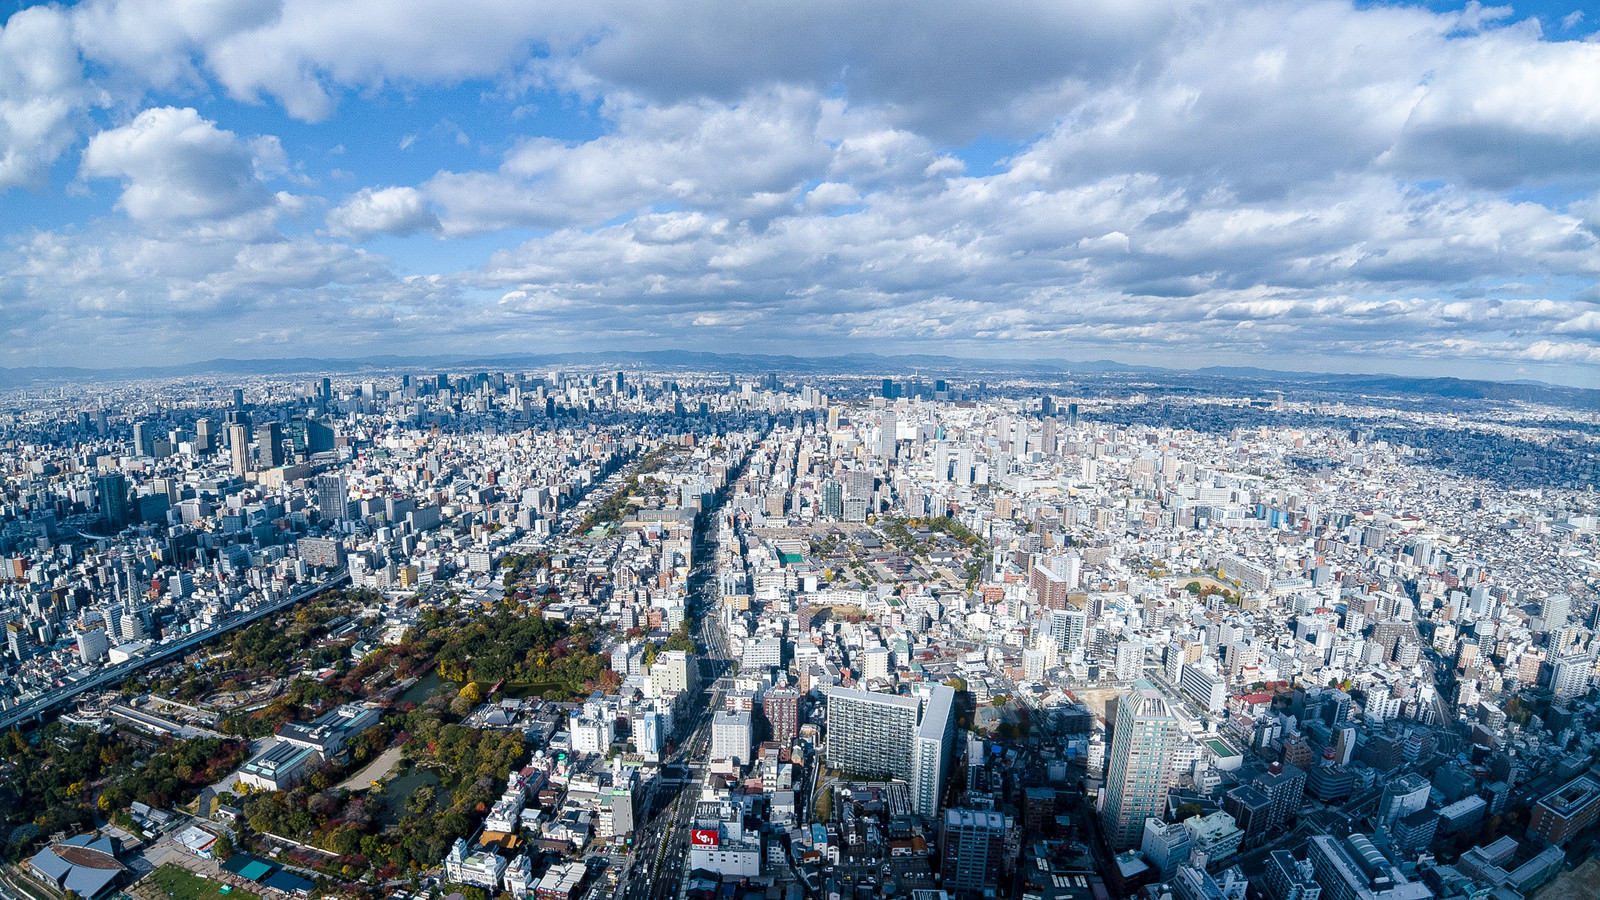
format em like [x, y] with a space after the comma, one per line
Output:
[223, 848]
[472, 693]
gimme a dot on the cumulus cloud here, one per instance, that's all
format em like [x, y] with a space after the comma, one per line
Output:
[42, 94]
[1139, 177]
[392, 210]
[176, 165]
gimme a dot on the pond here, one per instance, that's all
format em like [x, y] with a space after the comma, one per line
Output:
[397, 790]
[425, 687]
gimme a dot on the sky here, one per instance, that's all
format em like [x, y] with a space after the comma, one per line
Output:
[1316, 186]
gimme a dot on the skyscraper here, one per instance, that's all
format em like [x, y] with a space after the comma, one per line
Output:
[332, 499]
[239, 448]
[144, 438]
[269, 435]
[832, 498]
[205, 435]
[113, 489]
[1139, 766]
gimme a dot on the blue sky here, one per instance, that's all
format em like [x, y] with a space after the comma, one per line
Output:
[1367, 187]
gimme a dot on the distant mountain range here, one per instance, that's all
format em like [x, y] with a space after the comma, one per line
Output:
[931, 366]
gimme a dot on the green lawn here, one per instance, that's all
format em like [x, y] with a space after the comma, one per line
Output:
[181, 884]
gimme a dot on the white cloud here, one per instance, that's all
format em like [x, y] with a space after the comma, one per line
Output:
[392, 210]
[176, 165]
[42, 94]
[1147, 175]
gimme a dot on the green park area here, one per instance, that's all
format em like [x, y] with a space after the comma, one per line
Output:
[181, 884]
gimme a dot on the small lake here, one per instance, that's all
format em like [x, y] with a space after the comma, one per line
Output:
[425, 687]
[397, 790]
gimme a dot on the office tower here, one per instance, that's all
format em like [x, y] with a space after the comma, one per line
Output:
[269, 436]
[1047, 435]
[111, 614]
[1402, 796]
[871, 735]
[319, 437]
[239, 448]
[674, 671]
[1072, 415]
[332, 499]
[113, 490]
[238, 398]
[930, 753]
[832, 498]
[731, 738]
[92, 643]
[782, 708]
[205, 435]
[17, 641]
[887, 435]
[1139, 766]
[144, 438]
[971, 850]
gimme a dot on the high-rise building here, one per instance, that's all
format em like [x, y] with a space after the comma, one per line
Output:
[1066, 628]
[930, 754]
[1554, 610]
[1139, 768]
[674, 671]
[239, 448]
[319, 437]
[333, 500]
[205, 435]
[113, 490]
[832, 498]
[144, 438]
[18, 643]
[269, 436]
[731, 738]
[871, 735]
[971, 850]
[92, 643]
[782, 708]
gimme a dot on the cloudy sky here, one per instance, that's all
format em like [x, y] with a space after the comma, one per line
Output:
[1298, 185]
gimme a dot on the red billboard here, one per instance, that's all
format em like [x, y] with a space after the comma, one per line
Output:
[703, 837]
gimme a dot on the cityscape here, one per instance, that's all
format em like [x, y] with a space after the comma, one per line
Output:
[630, 633]
[835, 450]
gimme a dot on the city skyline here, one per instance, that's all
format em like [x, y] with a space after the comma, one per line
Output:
[1319, 187]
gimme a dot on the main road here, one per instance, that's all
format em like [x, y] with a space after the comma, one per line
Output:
[44, 703]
